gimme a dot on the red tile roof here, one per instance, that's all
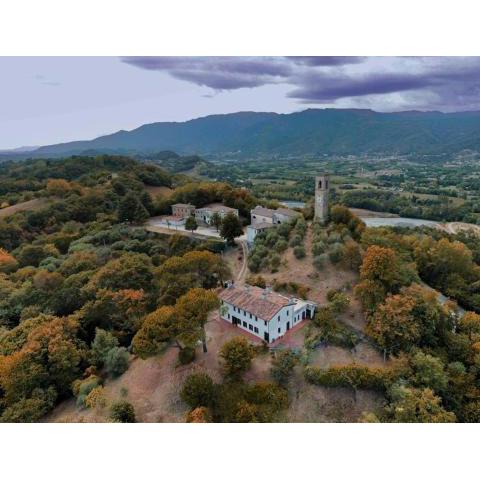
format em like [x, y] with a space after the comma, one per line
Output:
[257, 301]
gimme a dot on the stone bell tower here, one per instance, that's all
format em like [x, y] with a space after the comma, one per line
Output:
[322, 185]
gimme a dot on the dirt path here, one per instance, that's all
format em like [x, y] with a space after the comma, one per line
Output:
[242, 273]
[34, 204]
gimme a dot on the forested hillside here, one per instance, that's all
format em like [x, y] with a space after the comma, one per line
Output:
[79, 275]
[313, 131]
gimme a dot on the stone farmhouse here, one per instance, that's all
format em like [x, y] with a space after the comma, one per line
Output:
[263, 218]
[204, 215]
[181, 211]
[262, 312]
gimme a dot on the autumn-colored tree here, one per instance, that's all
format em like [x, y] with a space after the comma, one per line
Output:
[236, 355]
[59, 187]
[156, 331]
[120, 311]
[7, 262]
[184, 323]
[192, 311]
[393, 326]
[47, 281]
[199, 415]
[381, 272]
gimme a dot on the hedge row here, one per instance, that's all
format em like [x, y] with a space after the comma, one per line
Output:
[353, 376]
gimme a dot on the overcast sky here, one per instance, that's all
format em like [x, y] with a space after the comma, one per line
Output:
[45, 100]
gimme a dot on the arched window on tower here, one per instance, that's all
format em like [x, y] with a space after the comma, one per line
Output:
[320, 184]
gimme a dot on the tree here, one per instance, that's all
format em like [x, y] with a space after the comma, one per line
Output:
[429, 372]
[103, 342]
[58, 187]
[282, 366]
[216, 220]
[116, 361]
[231, 228]
[198, 390]
[237, 355]
[191, 223]
[381, 273]
[131, 209]
[122, 412]
[412, 405]
[7, 261]
[184, 323]
[393, 326]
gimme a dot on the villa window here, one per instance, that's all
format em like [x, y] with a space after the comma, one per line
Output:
[245, 324]
[278, 329]
[265, 322]
[250, 327]
[255, 329]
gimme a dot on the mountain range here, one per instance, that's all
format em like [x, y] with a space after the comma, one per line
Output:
[312, 131]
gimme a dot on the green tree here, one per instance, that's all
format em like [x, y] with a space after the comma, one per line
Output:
[412, 405]
[282, 366]
[116, 361]
[191, 223]
[131, 209]
[198, 390]
[216, 220]
[231, 228]
[102, 343]
[122, 412]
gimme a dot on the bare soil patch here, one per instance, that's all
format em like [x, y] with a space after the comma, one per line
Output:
[155, 191]
[154, 384]
[34, 204]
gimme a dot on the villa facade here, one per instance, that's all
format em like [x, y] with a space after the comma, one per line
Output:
[262, 312]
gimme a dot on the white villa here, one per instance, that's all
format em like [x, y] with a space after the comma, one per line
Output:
[263, 218]
[262, 312]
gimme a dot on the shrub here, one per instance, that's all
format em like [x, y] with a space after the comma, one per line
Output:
[186, 355]
[256, 281]
[282, 366]
[281, 246]
[318, 248]
[353, 376]
[339, 303]
[295, 241]
[122, 412]
[299, 252]
[319, 261]
[96, 398]
[336, 253]
[198, 390]
[199, 415]
[116, 361]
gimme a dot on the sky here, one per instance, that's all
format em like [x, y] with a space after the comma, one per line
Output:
[47, 100]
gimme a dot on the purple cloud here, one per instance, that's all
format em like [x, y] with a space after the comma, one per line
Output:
[439, 82]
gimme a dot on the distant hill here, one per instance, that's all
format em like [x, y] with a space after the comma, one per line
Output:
[313, 131]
